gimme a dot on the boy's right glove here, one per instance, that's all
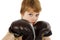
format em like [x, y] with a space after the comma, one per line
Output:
[21, 28]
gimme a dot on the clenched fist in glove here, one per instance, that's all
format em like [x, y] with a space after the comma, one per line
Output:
[36, 32]
[21, 28]
[42, 29]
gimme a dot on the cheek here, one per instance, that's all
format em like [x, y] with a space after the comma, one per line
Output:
[36, 19]
[27, 18]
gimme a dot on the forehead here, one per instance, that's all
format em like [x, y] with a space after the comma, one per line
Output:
[31, 10]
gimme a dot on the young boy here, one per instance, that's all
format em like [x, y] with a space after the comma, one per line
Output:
[30, 11]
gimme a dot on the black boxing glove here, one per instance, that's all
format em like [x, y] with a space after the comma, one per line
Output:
[42, 28]
[21, 28]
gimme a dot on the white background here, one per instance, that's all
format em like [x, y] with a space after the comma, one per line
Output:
[10, 11]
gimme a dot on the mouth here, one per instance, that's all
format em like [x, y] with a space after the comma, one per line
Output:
[32, 22]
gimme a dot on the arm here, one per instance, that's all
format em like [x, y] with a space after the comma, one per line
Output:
[8, 36]
[20, 38]
[46, 38]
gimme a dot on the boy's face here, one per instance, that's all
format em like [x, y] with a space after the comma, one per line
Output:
[31, 16]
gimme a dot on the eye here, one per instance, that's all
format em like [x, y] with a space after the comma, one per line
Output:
[30, 14]
[37, 15]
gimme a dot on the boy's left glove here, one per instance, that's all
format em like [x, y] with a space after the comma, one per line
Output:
[42, 29]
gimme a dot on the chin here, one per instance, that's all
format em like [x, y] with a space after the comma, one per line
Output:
[32, 22]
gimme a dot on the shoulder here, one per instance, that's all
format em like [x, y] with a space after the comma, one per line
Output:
[16, 21]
